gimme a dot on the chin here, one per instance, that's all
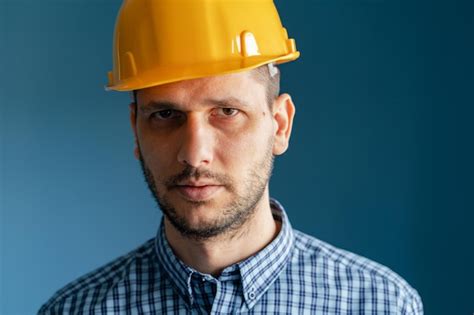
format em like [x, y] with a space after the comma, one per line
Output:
[195, 212]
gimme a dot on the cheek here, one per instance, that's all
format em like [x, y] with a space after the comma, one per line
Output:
[158, 155]
[242, 150]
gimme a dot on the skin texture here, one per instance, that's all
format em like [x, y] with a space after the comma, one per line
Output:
[206, 148]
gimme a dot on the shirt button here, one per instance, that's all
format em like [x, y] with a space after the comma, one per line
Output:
[251, 293]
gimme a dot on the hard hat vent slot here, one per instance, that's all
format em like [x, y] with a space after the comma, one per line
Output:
[290, 43]
[131, 67]
[248, 44]
[110, 76]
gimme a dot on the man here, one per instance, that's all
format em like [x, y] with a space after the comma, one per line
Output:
[208, 119]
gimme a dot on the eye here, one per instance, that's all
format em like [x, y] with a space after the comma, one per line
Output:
[227, 112]
[165, 114]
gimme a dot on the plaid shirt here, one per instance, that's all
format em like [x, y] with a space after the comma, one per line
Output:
[295, 274]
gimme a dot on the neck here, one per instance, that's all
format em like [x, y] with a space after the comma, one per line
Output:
[214, 255]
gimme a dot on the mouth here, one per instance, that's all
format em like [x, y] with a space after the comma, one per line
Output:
[198, 193]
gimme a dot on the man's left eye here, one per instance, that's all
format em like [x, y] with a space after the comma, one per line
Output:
[228, 112]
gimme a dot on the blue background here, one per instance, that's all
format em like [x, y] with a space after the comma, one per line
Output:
[380, 161]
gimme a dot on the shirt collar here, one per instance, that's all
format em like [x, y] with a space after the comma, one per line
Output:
[179, 274]
[257, 272]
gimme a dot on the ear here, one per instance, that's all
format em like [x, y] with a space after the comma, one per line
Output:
[283, 114]
[133, 123]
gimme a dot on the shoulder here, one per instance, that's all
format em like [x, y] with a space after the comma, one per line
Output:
[355, 276]
[93, 288]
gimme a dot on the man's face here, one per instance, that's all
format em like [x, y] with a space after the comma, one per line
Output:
[206, 148]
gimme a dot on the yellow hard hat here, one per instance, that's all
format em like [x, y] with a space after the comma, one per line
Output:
[162, 41]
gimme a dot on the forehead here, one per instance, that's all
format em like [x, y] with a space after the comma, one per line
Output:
[241, 86]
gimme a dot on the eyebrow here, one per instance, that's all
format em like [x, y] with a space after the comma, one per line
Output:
[229, 102]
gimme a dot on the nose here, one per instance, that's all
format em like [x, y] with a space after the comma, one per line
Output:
[197, 142]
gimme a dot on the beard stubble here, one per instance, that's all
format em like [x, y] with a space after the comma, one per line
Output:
[233, 216]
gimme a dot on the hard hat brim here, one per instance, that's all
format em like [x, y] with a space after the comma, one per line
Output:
[163, 76]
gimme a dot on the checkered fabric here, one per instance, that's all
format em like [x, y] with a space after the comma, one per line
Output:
[295, 274]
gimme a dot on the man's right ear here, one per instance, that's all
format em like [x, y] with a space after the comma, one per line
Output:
[133, 123]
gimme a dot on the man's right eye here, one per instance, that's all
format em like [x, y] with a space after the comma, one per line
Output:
[164, 114]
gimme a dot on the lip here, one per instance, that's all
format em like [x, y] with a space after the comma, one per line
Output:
[197, 183]
[198, 192]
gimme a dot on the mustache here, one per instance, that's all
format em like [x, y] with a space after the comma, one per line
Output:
[192, 173]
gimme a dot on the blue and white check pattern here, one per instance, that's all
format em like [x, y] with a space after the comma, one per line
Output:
[295, 274]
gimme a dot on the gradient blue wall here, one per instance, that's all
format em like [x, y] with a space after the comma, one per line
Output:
[380, 161]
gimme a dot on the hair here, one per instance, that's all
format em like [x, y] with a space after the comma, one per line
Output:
[270, 80]
[268, 75]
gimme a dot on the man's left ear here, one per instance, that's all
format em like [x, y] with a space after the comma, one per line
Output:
[283, 114]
